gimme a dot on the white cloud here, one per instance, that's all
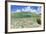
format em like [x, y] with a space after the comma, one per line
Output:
[27, 9]
[39, 9]
[33, 10]
[13, 11]
[18, 10]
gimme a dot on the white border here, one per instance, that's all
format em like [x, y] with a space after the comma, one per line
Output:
[24, 29]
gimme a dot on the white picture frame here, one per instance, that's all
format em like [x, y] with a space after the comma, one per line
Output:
[8, 24]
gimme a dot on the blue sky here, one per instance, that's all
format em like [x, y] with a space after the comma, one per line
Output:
[17, 8]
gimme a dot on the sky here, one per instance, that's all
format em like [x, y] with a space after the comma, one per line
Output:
[17, 8]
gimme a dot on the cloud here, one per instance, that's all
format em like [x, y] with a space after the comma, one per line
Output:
[39, 9]
[28, 9]
[18, 10]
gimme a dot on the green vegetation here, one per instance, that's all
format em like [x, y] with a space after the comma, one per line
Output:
[39, 21]
[24, 15]
[25, 20]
